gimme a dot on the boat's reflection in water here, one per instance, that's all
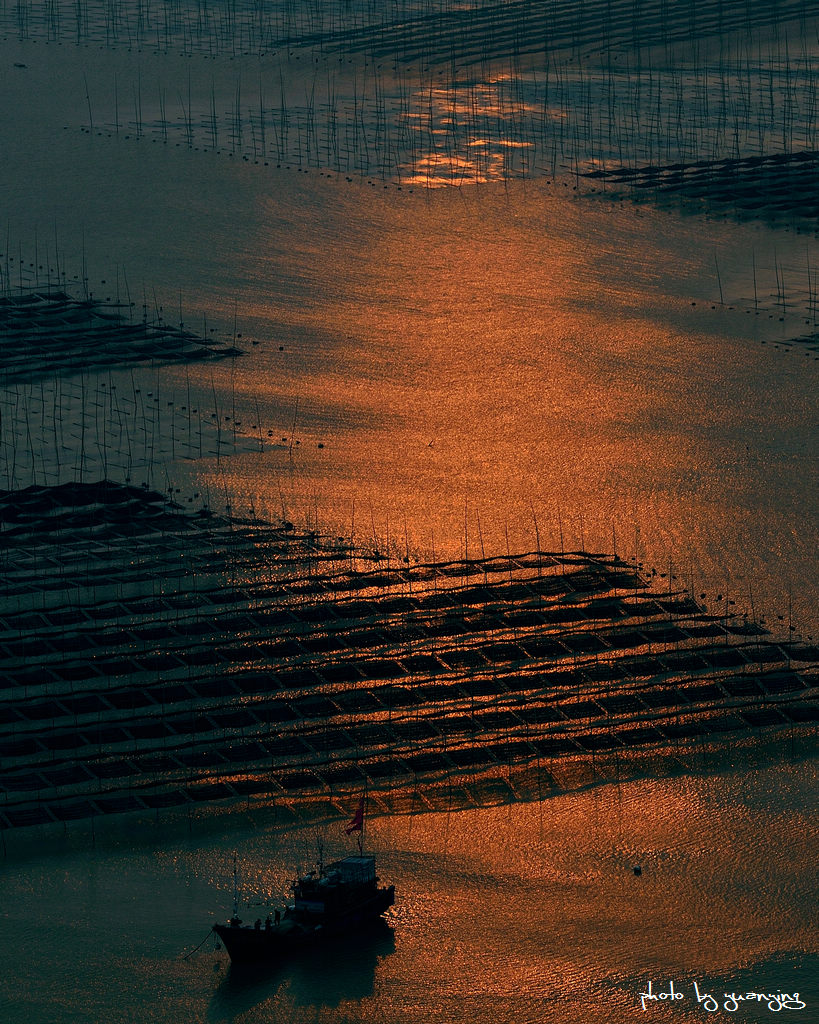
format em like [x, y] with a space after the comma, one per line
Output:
[330, 973]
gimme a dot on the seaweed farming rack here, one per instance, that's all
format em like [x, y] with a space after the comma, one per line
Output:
[153, 658]
[48, 332]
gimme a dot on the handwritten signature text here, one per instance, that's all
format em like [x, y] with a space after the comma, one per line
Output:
[727, 1001]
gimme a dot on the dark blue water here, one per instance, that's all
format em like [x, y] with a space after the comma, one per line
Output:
[527, 912]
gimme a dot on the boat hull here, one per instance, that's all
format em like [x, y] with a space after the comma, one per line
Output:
[246, 944]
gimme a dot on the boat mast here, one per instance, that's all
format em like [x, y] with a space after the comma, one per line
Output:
[357, 824]
[235, 886]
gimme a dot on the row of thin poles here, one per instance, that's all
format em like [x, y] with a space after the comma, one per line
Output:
[515, 120]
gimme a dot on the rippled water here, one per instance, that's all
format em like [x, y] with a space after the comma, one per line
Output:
[440, 371]
[528, 912]
[433, 374]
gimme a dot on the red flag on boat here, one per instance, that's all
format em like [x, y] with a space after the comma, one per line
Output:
[357, 824]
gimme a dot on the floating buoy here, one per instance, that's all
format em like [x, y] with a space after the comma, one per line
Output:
[638, 870]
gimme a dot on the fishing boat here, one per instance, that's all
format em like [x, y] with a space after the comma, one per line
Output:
[335, 900]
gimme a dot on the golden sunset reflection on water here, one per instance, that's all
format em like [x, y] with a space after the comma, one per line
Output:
[465, 133]
[523, 912]
[531, 371]
[453, 345]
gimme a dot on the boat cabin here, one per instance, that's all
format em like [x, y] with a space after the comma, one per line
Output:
[320, 893]
[355, 870]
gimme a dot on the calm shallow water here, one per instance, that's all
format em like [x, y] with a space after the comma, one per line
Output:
[482, 368]
[452, 370]
[528, 912]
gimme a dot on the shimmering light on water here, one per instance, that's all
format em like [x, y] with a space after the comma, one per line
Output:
[441, 374]
[524, 912]
[525, 372]
[465, 134]
[474, 363]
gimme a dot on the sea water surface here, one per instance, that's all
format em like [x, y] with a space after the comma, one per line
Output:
[436, 374]
[466, 370]
[523, 912]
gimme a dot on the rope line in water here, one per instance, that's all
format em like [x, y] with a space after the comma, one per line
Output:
[197, 948]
